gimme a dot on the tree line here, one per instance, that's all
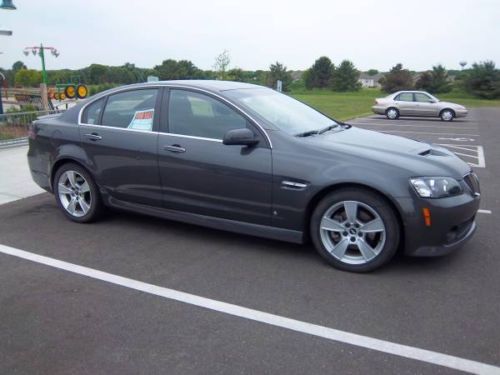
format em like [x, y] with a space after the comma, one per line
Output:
[481, 80]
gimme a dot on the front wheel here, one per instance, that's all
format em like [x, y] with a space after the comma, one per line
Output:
[355, 230]
[76, 193]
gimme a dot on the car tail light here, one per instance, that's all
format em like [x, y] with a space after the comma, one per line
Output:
[376, 101]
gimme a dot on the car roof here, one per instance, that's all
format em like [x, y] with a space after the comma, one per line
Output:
[207, 84]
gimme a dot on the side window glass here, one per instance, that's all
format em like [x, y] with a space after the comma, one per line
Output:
[422, 98]
[131, 109]
[92, 112]
[199, 115]
[405, 97]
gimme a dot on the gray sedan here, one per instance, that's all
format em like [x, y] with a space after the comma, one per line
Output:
[417, 103]
[248, 159]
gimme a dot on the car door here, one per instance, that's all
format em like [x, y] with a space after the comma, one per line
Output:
[426, 106]
[404, 103]
[119, 135]
[200, 174]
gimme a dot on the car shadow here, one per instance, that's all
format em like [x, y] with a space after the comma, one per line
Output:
[400, 264]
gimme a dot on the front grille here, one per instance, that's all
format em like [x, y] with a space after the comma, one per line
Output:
[473, 183]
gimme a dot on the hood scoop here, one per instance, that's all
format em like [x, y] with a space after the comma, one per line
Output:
[432, 152]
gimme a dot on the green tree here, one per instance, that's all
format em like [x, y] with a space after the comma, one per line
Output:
[183, 69]
[18, 65]
[28, 78]
[435, 81]
[320, 73]
[278, 71]
[345, 77]
[397, 79]
[98, 73]
[483, 80]
[372, 72]
[236, 74]
[221, 64]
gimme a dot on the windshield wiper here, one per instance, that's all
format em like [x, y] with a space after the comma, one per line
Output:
[324, 130]
[307, 133]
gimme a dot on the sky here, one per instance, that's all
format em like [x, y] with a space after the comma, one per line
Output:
[372, 34]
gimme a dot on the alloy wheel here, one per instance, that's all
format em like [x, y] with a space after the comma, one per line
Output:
[352, 232]
[74, 193]
[447, 115]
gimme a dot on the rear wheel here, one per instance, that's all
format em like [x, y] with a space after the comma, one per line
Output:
[76, 193]
[392, 113]
[355, 230]
[447, 115]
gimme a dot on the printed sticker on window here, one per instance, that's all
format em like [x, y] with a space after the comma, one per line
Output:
[142, 120]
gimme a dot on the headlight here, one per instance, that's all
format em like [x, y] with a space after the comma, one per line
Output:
[436, 187]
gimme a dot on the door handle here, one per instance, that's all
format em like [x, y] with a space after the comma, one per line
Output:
[174, 148]
[93, 136]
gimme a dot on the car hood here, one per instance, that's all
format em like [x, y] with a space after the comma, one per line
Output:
[417, 158]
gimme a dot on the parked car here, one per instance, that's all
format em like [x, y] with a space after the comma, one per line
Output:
[417, 103]
[248, 159]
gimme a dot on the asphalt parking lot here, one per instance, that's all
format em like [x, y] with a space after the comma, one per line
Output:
[60, 318]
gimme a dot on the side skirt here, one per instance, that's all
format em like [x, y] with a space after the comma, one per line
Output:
[257, 230]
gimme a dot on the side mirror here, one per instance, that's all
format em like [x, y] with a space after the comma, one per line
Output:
[432, 101]
[240, 137]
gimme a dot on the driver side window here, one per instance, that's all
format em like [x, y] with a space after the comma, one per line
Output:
[199, 115]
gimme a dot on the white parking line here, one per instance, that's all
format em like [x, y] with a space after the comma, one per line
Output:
[412, 126]
[417, 132]
[484, 212]
[388, 347]
[476, 150]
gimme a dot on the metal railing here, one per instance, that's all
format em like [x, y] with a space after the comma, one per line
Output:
[14, 126]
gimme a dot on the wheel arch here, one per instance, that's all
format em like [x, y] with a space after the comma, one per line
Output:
[313, 202]
[59, 163]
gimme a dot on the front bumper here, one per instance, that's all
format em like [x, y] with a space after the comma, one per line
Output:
[461, 112]
[452, 225]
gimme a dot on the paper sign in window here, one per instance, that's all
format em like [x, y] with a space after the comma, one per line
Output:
[142, 120]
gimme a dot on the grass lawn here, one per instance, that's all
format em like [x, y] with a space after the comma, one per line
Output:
[347, 105]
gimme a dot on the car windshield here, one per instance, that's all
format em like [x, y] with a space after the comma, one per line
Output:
[284, 112]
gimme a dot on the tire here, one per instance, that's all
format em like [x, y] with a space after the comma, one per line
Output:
[82, 91]
[337, 230]
[78, 201]
[447, 115]
[392, 113]
[70, 92]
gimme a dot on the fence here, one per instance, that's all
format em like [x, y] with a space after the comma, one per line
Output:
[14, 126]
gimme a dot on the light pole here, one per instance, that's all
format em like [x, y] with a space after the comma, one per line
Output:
[41, 52]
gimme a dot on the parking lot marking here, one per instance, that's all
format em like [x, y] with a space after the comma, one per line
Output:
[411, 125]
[484, 212]
[432, 133]
[367, 342]
[476, 152]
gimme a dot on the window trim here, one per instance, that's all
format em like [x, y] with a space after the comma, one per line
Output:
[166, 88]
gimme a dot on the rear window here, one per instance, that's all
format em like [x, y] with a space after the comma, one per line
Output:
[131, 109]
